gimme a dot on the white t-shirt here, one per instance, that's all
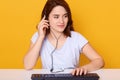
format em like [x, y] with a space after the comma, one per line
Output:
[65, 57]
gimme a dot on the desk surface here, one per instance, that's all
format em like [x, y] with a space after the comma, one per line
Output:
[21, 74]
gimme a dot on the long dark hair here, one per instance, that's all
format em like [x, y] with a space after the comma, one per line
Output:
[50, 4]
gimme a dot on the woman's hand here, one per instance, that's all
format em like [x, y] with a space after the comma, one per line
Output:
[42, 26]
[79, 71]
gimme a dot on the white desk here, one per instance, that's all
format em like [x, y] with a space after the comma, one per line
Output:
[21, 74]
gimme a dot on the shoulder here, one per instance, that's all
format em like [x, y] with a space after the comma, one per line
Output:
[78, 37]
[76, 34]
[34, 37]
[35, 34]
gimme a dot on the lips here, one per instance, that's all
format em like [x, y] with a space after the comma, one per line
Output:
[61, 26]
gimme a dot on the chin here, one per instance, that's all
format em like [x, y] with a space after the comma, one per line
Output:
[61, 30]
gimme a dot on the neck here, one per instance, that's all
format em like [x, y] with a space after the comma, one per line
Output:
[56, 35]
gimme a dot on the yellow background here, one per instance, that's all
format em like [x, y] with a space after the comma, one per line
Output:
[97, 20]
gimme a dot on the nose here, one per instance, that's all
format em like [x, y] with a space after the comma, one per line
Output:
[61, 20]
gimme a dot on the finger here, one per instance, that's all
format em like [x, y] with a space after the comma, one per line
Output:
[44, 29]
[43, 17]
[81, 71]
[77, 71]
[73, 72]
[85, 71]
[45, 26]
[45, 22]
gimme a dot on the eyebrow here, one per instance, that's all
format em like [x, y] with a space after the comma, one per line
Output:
[59, 14]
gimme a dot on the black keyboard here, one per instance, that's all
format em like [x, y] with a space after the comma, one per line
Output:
[88, 76]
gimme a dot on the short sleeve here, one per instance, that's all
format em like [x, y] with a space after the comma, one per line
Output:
[82, 41]
[34, 37]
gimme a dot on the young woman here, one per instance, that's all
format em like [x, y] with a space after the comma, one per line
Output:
[58, 45]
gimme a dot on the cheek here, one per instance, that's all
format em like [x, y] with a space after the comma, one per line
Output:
[66, 21]
[51, 23]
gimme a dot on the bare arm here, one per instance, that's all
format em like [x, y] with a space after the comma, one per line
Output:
[32, 55]
[96, 61]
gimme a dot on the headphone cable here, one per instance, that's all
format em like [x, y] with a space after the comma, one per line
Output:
[54, 50]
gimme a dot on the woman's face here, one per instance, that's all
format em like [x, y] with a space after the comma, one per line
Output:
[58, 19]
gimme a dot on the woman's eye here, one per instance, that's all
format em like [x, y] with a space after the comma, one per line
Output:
[56, 17]
[66, 16]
